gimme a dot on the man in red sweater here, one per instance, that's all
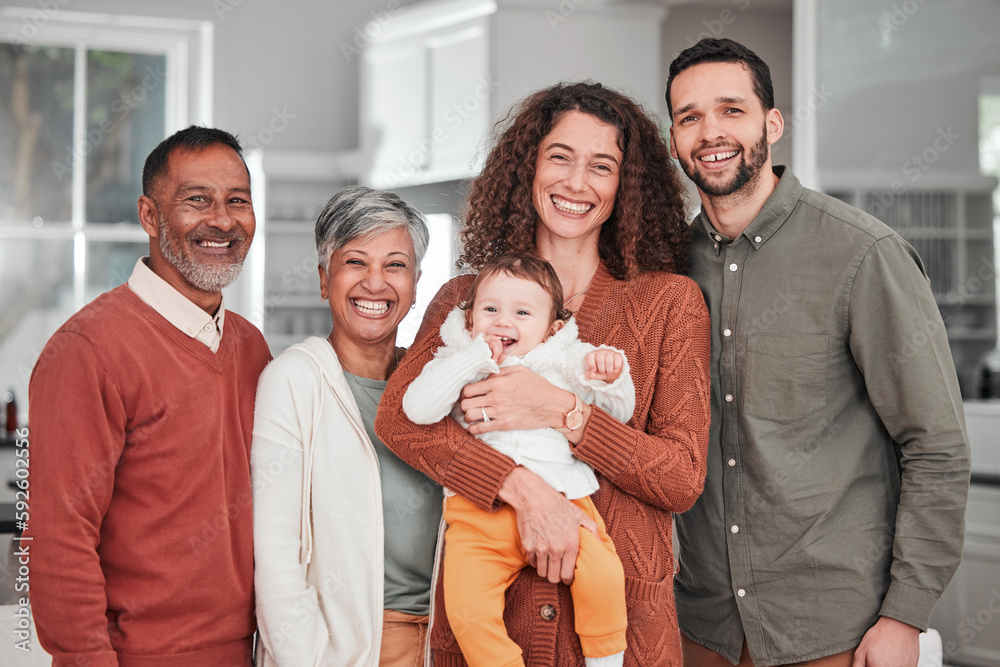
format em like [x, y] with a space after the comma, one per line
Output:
[141, 410]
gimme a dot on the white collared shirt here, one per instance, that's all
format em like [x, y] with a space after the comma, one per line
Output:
[177, 308]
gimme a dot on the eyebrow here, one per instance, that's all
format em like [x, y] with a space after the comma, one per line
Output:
[606, 156]
[185, 189]
[718, 100]
[362, 252]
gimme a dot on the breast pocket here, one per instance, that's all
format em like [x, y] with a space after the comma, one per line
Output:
[786, 377]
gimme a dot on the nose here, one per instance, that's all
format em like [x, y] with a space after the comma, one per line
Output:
[576, 179]
[222, 218]
[711, 129]
[374, 280]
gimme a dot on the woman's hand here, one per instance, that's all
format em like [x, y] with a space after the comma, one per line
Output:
[547, 523]
[518, 398]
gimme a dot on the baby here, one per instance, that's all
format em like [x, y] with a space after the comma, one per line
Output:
[514, 314]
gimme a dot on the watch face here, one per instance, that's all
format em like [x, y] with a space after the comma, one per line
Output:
[574, 419]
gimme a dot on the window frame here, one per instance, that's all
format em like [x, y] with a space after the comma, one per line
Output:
[188, 48]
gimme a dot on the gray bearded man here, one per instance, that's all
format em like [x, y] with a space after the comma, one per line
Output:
[141, 411]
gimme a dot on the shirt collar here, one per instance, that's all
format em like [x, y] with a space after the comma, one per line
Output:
[772, 215]
[176, 308]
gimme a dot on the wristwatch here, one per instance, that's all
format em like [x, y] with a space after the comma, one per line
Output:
[573, 419]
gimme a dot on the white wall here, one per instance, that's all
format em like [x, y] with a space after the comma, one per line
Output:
[899, 79]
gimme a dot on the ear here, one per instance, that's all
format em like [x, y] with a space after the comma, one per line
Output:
[322, 281]
[556, 326]
[775, 125]
[673, 147]
[149, 217]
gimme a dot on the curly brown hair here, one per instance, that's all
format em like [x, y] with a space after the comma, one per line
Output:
[647, 229]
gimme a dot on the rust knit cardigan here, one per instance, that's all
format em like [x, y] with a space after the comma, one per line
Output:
[648, 468]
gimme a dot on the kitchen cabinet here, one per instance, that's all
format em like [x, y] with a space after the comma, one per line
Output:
[437, 75]
[968, 615]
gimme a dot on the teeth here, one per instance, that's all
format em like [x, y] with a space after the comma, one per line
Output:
[371, 307]
[570, 207]
[718, 156]
[214, 244]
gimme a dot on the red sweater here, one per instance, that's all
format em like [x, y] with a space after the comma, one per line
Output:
[142, 552]
[647, 469]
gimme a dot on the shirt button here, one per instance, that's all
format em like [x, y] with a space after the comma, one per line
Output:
[547, 611]
[727, 333]
[742, 593]
[757, 239]
[735, 529]
[732, 267]
[208, 327]
[716, 246]
[732, 462]
[729, 398]
[718, 238]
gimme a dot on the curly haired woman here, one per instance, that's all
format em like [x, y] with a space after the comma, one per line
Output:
[580, 176]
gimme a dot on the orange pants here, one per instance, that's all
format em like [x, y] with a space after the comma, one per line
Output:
[483, 556]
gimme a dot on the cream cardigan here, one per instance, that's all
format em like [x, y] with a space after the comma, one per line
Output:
[318, 532]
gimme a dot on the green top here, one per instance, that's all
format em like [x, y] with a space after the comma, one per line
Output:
[411, 510]
[838, 464]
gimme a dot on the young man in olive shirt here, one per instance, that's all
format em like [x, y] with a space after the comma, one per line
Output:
[833, 512]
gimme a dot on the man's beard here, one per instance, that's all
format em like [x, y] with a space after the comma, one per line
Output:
[747, 171]
[202, 275]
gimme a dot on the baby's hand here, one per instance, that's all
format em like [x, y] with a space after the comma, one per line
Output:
[604, 365]
[496, 349]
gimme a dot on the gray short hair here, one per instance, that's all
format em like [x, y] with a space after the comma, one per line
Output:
[361, 212]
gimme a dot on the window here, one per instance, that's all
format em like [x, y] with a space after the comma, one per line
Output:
[83, 99]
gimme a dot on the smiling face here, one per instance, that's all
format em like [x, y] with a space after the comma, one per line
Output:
[515, 311]
[721, 134]
[371, 284]
[576, 179]
[200, 221]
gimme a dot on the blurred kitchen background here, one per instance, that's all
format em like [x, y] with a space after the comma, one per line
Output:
[891, 105]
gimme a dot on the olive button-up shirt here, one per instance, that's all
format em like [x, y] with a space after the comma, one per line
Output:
[838, 464]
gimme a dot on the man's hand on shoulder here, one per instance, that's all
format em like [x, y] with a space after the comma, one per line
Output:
[889, 643]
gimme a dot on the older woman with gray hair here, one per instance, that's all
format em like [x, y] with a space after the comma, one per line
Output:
[344, 531]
